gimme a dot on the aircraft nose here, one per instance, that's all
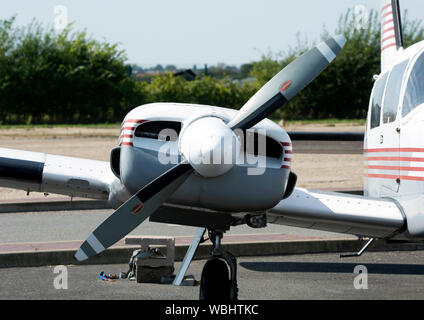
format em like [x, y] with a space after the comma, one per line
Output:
[210, 146]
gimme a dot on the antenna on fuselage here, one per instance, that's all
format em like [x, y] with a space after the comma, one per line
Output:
[397, 21]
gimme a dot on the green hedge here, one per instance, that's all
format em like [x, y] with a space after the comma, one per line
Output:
[49, 77]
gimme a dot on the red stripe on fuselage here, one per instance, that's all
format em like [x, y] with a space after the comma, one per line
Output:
[381, 176]
[388, 38]
[408, 159]
[387, 176]
[394, 150]
[388, 46]
[385, 7]
[411, 178]
[395, 168]
[388, 29]
[388, 21]
[387, 14]
[128, 128]
[134, 121]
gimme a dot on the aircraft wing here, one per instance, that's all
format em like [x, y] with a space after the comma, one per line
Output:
[322, 210]
[76, 177]
[342, 213]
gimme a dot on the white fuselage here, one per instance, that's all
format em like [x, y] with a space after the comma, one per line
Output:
[394, 143]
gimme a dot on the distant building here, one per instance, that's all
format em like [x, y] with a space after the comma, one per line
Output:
[187, 74]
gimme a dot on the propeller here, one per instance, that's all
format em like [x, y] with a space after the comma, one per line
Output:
[134, 211]
[278, 91]
[287, 83]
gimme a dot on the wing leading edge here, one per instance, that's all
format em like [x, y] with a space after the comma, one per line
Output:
[336, 212]
[40, 172]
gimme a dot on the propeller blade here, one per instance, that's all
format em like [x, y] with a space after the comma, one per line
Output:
[134, 211]
[287, 83]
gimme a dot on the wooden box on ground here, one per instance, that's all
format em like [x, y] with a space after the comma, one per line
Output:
[160, 262]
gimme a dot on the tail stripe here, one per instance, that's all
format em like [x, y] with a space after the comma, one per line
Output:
[389, 46]
[391, 32]
[386, 6]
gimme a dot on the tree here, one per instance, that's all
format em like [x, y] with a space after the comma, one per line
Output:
[170, 67]
[66, 77]
[60, 77]
[343, 89]
[158, 68]
[245, 70]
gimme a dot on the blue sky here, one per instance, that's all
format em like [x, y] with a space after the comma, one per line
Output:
[187, 32]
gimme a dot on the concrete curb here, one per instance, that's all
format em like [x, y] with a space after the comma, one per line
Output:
[121, 255]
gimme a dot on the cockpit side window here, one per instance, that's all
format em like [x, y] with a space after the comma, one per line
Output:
[159, 130]
[377, 100]
[391, 99]
[414, 94]
[273, 149]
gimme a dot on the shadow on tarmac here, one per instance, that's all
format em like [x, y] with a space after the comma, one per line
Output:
[333, 267]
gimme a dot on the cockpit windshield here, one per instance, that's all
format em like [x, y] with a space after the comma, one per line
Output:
[377, 100]
[414, 94]
[391, 100]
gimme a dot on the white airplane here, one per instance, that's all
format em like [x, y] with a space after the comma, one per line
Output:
[219, 194]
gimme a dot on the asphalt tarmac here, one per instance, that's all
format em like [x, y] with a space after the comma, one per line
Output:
[78, 224]
[390, 275]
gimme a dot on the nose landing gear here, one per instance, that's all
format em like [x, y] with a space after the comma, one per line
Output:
[217, 283]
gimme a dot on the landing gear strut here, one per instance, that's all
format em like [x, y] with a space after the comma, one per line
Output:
[216, 282]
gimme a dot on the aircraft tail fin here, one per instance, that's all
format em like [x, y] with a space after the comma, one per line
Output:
[391, 32]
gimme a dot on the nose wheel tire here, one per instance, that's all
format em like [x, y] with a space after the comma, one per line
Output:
[219, 275]
[215, 283]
